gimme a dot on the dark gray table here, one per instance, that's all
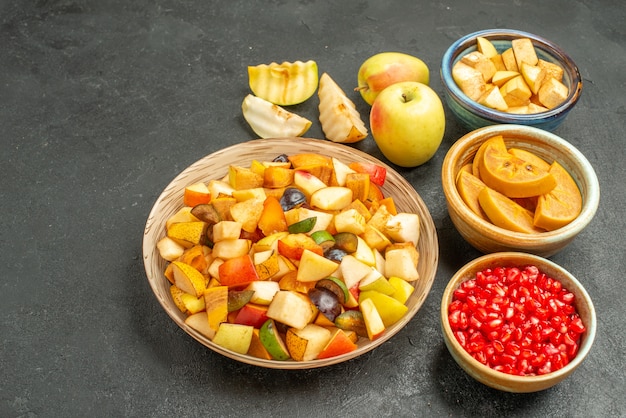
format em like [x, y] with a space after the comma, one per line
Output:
[102, 103]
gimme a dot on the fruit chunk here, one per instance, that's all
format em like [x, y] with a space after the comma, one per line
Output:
[237, 271]
[234, 337]
[331, 198]
[562, 204]
[268, 120]
[272, 341]
[373, 322]
[284, 84]
[339, 118]
[199, 322]
[469, 187]
[314, 267]
[188, 279]
[188, 234]
[306, 343]
[292, 309]
[510, 175]
[338, 344]
[389, 309]
[505, 213]
[196, 194]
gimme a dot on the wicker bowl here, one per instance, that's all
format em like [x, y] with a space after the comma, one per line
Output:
[215, 166]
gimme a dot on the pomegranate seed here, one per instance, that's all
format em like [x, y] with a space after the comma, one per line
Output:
[516, 320]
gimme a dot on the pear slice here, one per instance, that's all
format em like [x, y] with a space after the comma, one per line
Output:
[272, 121]
[339, 118]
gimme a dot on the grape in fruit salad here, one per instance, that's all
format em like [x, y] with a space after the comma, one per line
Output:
[516, 320]
[299, 258]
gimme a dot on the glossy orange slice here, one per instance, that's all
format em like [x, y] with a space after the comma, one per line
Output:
[530, 157]
[469, 187]
[510, 175]
[496, 141]
[505, 213]
[561, 205]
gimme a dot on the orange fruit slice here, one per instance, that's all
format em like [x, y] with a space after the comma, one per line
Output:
[469, 187]
[561, 205]
[530, 157]
[510, 175]
[505, 213]
[497, 141]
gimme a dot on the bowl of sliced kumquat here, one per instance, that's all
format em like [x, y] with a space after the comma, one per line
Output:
[517, 322]
[518, 188]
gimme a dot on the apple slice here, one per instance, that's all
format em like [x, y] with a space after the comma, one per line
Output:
[314, 267]
[200, 323]
[339, 118]
[389, 308]
[264, 291]
[338, 344]
[251, 314]
[403, 289]
[234, 337]
[331, 198]
[307, 182]
[284, 84]
[373, 322]
[376, 281]
[364, 253]
[292, 309]
[341, 171]
[268, 120]
[353, 270]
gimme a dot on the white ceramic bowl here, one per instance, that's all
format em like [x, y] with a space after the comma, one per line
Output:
[215, 166]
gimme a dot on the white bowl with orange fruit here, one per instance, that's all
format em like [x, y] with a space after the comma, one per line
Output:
[232, 255]
[518, 188]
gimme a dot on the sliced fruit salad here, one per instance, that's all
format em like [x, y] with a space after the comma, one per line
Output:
[299, 258]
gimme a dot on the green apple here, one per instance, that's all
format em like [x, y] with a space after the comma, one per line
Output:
[408, 122]
[382, 70]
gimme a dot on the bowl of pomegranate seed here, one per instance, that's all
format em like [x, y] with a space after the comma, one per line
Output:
[517, 322]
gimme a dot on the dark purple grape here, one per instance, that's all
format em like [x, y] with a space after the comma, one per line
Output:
[282, 158]
[291, 198]
[335, 254]
[326, 301]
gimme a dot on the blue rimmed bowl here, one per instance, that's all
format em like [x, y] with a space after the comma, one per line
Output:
[473, 115]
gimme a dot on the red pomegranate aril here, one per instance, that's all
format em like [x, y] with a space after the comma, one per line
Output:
[577, 325]
[516, 320]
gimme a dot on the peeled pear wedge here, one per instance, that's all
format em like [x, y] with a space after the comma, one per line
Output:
[268, 120]
[284, 84]
[339, 118]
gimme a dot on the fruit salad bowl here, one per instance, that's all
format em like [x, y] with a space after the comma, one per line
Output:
[216, 166]
[474, 115]
[483, 234]
[491, 372]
